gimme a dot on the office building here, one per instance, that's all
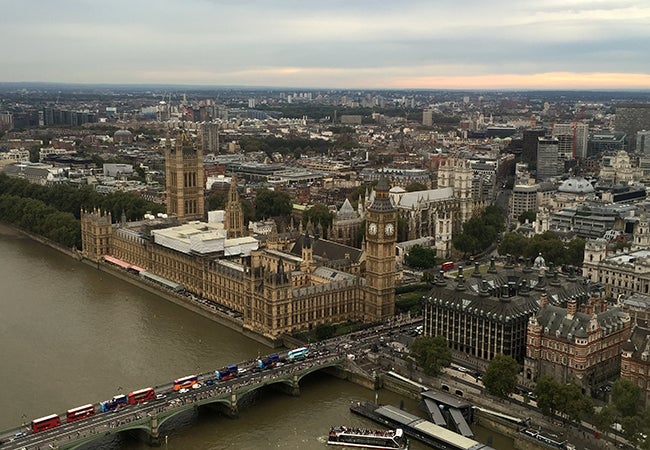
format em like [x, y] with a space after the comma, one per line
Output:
[529, 144]
[548, 163]
[579, 342]
[630, 119]
[482, 315]
[566, 132]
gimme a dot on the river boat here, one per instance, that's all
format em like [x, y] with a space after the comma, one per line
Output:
[368, 439]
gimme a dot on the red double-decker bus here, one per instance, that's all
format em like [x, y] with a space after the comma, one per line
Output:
[80, 412]
[45, 423]
[142, 395]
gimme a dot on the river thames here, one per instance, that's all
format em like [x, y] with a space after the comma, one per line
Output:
[71, 335]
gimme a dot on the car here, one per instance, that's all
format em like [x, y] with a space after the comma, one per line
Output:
[20, 434]
[196, 386]
[160, 396]
[183, 391]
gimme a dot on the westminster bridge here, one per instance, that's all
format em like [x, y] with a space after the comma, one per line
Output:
[145, 419]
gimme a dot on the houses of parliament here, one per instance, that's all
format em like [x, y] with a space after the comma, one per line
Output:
[278, 285]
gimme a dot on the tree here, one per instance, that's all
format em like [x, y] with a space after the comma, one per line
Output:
[500, 376]
[431, 353]
[325, 331]
[270, 203]
[626, 397]
[513, 244]
[573, 403]
[480, 232]
[217, 199]
[421, 257]
[319, 214]
[415, 186]
[529, 216]
[546, 393]
[604, 418]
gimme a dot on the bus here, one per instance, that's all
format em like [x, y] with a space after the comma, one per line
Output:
[185, 382]
[45, 423]
[80, 412]
[449, 265]
[297, 353]
[227, 372]
[116, 402]
[143, 395]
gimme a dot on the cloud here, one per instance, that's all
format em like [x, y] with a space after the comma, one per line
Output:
[343, 43]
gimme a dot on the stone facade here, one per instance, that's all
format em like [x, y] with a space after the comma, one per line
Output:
[184, 177]
[579, 343]
[635, 359]
[274, 290]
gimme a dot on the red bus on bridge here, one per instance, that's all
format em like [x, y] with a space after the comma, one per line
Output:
[80, 412]
[142, 395]
[45, 423]
[185, 382]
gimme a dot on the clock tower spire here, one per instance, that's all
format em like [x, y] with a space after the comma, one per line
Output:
[381, 231]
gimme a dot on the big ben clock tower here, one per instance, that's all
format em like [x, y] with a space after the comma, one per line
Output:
[381, 231]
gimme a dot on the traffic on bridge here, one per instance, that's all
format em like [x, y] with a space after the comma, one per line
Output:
[147, 408]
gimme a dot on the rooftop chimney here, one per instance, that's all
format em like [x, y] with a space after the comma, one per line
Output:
[543, 300]
[493, 267]
[477, 271]
[571, 307]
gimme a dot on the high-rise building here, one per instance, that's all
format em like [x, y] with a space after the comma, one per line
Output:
[643, 142]
[184, 180]
[427, 117]
[209, 132]
[547, 158]
[631, 118]
[529, 145]
[581, 132]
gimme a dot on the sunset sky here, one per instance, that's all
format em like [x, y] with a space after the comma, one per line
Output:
[433, 44]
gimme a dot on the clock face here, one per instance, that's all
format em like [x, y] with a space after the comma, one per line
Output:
[372, 229]
[389, 229]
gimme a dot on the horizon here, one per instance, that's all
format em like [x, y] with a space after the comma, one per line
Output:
[59, 84]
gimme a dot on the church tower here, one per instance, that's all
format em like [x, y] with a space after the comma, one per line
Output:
[381, 231]
[457, 173]
[234, 219]
[184, 178]
[96, 231]
[641, 232]
[595, 253]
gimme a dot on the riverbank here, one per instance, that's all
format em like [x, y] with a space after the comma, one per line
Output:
[215, 315]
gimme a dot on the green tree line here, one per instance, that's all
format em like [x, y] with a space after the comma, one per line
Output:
[54, 211]
[552, 248]
[67, 198]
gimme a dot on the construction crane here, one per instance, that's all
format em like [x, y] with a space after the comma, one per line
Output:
[574, 126]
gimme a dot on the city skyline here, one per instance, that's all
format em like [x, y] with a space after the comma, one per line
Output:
[573, 44]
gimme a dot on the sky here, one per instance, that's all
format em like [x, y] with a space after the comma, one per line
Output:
[351, 44]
